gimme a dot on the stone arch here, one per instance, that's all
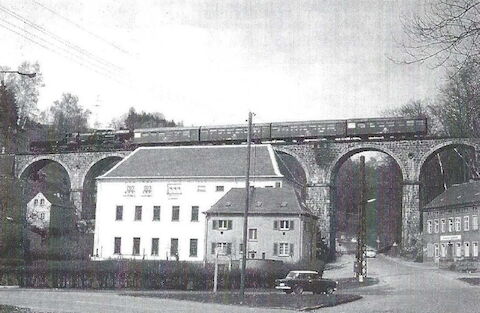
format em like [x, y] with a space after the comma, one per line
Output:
[92, 164]
[347, 153]
[439, 147]
[46, 159]
[300, 161]
[87, 187]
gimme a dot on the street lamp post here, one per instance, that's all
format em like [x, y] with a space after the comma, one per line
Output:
[247, 205]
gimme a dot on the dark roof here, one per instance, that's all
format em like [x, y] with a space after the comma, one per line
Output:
[54, 198]
[457, 195]
[263, 201]
[196, 161]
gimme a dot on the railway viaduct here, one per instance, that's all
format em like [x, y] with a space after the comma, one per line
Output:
[320, 162]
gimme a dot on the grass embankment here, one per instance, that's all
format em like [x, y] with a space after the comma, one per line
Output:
[265, 300]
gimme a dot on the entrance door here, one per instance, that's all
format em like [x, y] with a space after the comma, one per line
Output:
[466, 248]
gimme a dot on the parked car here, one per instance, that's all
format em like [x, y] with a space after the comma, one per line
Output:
[300, 281]
[370, 252]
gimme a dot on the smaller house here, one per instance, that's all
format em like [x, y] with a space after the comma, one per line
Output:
[48, 215]
[280, 228]
[450, 224]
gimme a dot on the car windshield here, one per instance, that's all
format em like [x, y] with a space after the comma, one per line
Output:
[292, 275]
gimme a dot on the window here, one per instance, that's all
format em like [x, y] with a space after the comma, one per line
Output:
[466, 249]
[155, 246]
[193, 247]
[283, 225]
[174, 189]
[223, 247]
[474, 222]
[35, 202]
[147, 190]
[129, 191]
[222, 224]
[201, 188]
[194, 214]
[136, 246]
[443, 225]
[466, 223]
[138, 213]
[450, 224]
[252, 234]
[443, 250]
[156, 213]
[219, 188]
[175, 213]
[174, 247]
[42, 216]
[283, 249]
[429, 226]
[475, 249]
[42, 202]
[458, 223]
[436, 226]
[117, 245]
[436, 250]
[458, 250]
[119, 213]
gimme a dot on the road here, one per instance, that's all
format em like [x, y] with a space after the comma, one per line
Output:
[404, 287]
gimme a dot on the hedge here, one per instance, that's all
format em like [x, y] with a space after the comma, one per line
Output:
[133, 275]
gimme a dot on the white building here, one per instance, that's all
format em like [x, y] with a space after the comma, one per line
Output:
[151, 204]
[38, 211]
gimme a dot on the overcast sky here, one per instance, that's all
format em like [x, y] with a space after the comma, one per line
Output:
[210, 62]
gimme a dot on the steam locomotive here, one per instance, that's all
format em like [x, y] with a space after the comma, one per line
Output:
[105, 139]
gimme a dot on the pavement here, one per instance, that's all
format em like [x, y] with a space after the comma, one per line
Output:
[403, 287]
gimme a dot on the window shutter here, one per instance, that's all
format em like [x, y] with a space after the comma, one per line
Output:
[291, 249]
[229, 248]
[291, 225]
[275, 225]
[215, 224]
[275, 249]
[214, 245]
[229, 224]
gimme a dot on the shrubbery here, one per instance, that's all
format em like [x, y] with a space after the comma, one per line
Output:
[134, 275]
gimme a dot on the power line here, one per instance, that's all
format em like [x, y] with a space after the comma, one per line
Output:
[82, 28]
[102, 62]
[46, 47]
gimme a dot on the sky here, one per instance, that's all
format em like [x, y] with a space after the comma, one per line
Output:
[210, 62]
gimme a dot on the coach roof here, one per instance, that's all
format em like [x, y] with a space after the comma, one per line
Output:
[196, 161]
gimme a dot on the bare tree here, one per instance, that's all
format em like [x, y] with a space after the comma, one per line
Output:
[458, 105]
[447, 31]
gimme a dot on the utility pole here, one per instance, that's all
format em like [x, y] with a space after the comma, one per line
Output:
[361, 264]
[247, 206]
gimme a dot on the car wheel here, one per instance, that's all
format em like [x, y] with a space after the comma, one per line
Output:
[298, 290]
[329, 290]
[288, 292]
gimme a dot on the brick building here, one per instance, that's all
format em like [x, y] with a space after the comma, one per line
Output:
[450, 221]
[280, 227]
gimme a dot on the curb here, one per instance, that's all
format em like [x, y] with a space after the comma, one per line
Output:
[9, 287]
